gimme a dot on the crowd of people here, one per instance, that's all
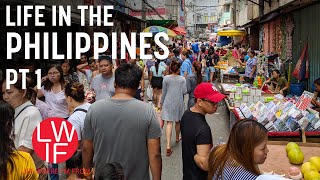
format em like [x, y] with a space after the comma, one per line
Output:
[119, 133]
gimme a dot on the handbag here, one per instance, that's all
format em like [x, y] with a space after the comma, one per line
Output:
[150, 92]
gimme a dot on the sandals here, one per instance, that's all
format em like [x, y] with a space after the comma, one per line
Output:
[177, 141]
[169, 152]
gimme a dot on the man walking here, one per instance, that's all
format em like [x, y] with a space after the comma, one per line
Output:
[103, 83]
[123, 129]
[196, 133]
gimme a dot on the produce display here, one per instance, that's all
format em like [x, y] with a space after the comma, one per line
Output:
[283, 159]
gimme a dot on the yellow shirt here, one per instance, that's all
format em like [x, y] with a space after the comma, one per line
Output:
[23, 167]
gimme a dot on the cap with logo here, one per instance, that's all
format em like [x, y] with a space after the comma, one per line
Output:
[209, 92]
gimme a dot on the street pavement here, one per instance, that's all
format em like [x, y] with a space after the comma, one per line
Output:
[172, 166]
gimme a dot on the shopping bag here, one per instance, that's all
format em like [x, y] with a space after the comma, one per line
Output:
[150, 92]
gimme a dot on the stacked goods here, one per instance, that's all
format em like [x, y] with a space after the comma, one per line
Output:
[282, 117]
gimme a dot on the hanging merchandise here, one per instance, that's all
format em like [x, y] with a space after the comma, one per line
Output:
[261, 39]
[266, 38]
[272, 35]
[290, 27]
[301, 70]
[278, 42]
[284, 39]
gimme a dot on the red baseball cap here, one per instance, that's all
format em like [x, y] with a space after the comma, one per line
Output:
[209, 92]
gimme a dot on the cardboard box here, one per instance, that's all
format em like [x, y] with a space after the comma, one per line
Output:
[258, 92]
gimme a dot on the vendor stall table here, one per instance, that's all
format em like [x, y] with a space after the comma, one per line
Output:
[230, 78]
[277, 160]
[275, 136]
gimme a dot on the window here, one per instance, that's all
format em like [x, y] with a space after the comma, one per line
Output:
[228, 8]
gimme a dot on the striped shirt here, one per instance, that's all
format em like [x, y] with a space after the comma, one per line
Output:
[234, 171]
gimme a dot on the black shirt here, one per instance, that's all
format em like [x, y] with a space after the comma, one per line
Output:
[195, 131]
[209, 61]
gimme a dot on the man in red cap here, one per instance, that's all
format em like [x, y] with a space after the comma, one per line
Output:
[196, 133]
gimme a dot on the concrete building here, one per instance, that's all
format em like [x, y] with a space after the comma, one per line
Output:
[200, 13]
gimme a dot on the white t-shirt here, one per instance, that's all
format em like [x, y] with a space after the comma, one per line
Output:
[77, 118]
[25, 123]
[57, 102]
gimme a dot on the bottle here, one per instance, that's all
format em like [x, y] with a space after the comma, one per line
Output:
[259, 82]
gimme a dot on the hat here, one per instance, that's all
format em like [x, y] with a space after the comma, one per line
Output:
[209, 92]
[161, 50]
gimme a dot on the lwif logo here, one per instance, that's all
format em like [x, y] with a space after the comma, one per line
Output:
[55, 140]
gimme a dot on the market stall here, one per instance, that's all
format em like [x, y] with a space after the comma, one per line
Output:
[285, 118]
[277, 161]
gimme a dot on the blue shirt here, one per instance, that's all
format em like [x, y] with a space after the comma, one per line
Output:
[186, 67]
[161, 69]
[249, 66]
[246, 57]
[195, 47]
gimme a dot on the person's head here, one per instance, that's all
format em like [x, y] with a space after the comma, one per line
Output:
[92, 64]
[83, 58]
[74, 94]
[54, 76]
[75, 163]
[243, 54]
[133, 61]
[105, 65]
[251, 53]
[6, 138]
[184, 54]
[175, 67]
[317, 84]
[207, 98]
[16, 95]
[247, 145]
[176, 52]
[65, 65]
[196, 68]
[111, 171]
[127, 79]
[161, 51]
[276, 73]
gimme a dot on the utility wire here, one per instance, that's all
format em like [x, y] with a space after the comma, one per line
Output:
[153, 9]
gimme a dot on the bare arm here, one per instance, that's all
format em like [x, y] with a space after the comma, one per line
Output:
[253, 71]
[151, 75]
[155, 160]
[87, 156]
[201, 157]
[25, 149]
[81, 66]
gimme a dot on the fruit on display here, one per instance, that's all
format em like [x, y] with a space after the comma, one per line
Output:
[311, 175]
[316, 162]
[307, 166]
[294, 173]
[292, 145]
[295, 156]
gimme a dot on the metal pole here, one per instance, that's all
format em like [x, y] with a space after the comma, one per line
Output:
[234, 14]
[143, 10]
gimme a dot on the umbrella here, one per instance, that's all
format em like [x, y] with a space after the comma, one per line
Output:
[231, 33]
[157, 29]
[179, 30]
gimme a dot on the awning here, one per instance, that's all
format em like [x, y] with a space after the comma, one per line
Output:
[163, 23]
[179, 30]
[232, 33]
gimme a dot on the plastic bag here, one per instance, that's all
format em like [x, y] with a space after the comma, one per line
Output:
[150, 92]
